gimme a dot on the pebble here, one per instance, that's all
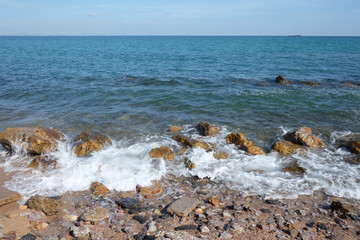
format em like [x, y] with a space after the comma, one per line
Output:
[186, 227]
[28, 236]
[128, 203]
[204, 229]
[80, 231]
[225, 235]
[140, 219]
[151, 227]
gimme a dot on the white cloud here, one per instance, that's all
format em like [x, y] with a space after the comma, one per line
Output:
[92, 14]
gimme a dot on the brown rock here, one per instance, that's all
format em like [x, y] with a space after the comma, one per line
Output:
[43, 163]
[303, 136]
[35, 141]
[46, 205]
[285, 147]
[150, 192]
[220, 155]
[248, 146]
[162, 152]
[281, 80]
[355, 147]
[183, 206]
[7, 196]
[88, 142]
[206, 129]
[175, 129]
[189, 164]
[192, 143]
[294, 170]
[214, 201]
[95, 215]
[98, 188]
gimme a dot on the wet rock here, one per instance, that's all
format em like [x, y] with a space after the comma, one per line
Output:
[282, 80]
[43, 163]
[9, 236]
[347, 140]
[214, 201]
[162, 152]
[175, 129]
[248, 146]
[311, 83]
[79, 232]
[7, 196]
[354, 160]
[140, 219]
[128, 203]
[220, 155]
[206, 129]
[95, 215]
[342, 209]
[271, 201]
[286, 148]
[294, 170]
[355, 147]
[46, 205]
[151, 227]
[192, 143]
[304, 136]
[189, 164]
[98, 188]
[35, 141]
[183, 206]
[88, 142]
[150, 192]
[28, 236]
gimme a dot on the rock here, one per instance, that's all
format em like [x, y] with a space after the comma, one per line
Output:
[311, 83]
[98, 188]
[43, 163]
[248, 146]
[281, 80]
[272, 201]
[150, 192]
[183, 206]
[285, 148]
[206, 129]
[180, 235]
[186, 228]
[354, 160]
[151, 227]
[225, 235]
[204, 229]
[189, 164]
[175, 129]
[96, 214]
[214, 201]
[303, 136]
[294, 170]
[88, 142]
[46, 205]
[355, 147]
[28, 236]
[192, 143]
[220, 155]
[140, 219]
[347, 140]
[79, 232]
[35, 141]
[7, 196]
[162, 152]
[342, 209]
[128, 203]
[9, 236]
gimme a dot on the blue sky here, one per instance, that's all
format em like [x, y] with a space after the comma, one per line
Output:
[174, 17]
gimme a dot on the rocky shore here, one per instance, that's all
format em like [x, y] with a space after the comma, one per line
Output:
[173, 207]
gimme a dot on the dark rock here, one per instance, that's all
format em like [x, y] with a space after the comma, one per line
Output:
[342, 209]
[271, 201]
[294, 170]
[46, 205]
[128, 203]
[281, 80]
[265, 210]
[206, 129]
[88, 142]
[347, 140]
[141, 209]
[186, 227]
[28, 236]
[139, 236]
[140, 219]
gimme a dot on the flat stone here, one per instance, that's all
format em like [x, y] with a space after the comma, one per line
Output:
[7, 196]
[80, 231]
[186, 227]
[183, 206]
[96, 214]
[46, 205]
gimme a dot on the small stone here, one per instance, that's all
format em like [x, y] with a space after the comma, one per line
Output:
[151, 192]
[23, 207]
[183, 206]
[98, 188]
[186, 227]
[220, 155]
[128, 203]
[214, 201]
[81, 231]
[189, 164]
[180, 235]
[341, 208]
[271, 201]
[28, 236]
[301, 212]
[204, 229]
[70, 218]
[225, 235]
[226, 215]
[140, 219]
[151, 227]
[206, 129]
[95, 215]
[175, 129]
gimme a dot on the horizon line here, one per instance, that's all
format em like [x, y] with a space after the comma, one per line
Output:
[171, 35]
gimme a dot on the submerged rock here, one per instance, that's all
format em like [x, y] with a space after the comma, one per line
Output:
[220, 155]
[175, 129]
[162, 152]
[206, 129]
[192, 143]
[88, 142]
[282, 80]
[46, 205]
[304, 136]
[43, 163]
[248, 146]
[98, 188]
[294, 170]
[286, 148]
[189, 164]
[35, 140]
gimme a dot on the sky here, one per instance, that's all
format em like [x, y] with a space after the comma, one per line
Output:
[185, 17]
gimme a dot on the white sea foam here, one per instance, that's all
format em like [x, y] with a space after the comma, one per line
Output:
[124, 165]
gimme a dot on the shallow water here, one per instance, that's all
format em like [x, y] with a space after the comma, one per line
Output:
[133, 88]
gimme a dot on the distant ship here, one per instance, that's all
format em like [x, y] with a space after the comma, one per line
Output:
[295, 35]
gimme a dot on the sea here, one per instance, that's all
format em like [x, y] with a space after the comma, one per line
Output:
[133, 88]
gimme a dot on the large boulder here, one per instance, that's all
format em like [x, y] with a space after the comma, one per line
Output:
[43, 162]
[285, 148]
[35, 140]
[248, 146]
[162, 152]
[192, 143]
[282, 80]
[304, 136]
[88, 142]
[206, 129]
[46, 205]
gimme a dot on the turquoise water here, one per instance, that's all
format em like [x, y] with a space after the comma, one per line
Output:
[134, 88]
